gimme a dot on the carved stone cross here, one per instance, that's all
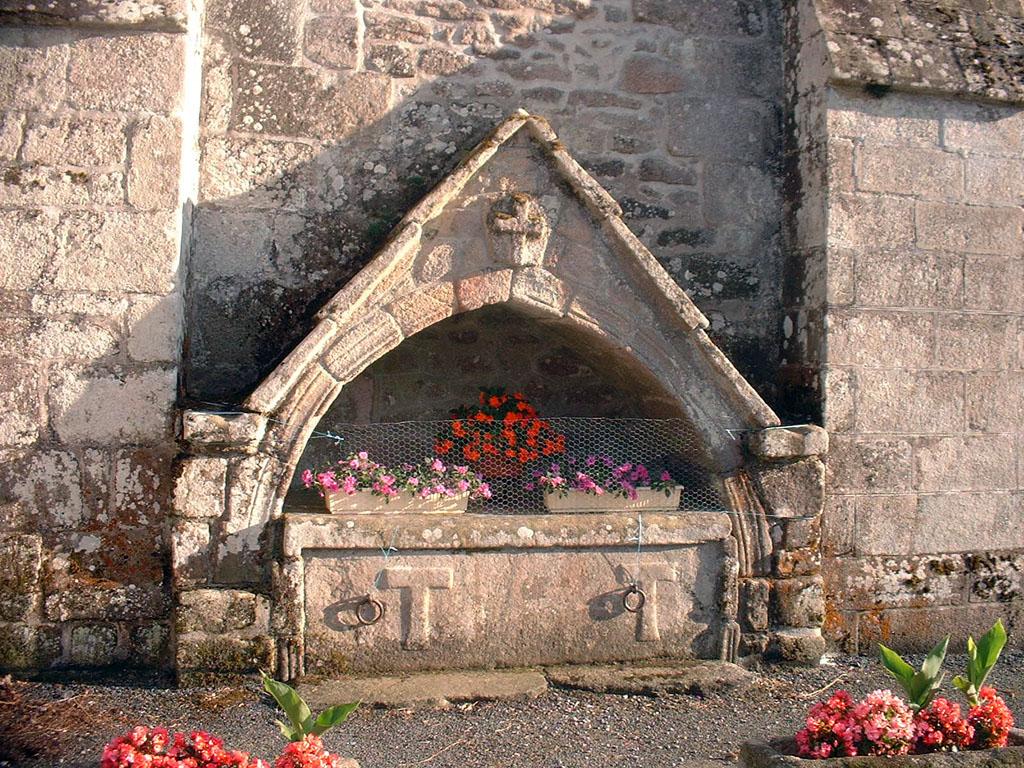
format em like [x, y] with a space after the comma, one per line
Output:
[647, 580]
[418, 582]
[519, 229]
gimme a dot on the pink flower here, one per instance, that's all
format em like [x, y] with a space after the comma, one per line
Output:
[350, 484]
[485, 490]
[327, 481]
[437, 465]
[461, 470]
[462, 485]
[666, 477]
[886, 725]
[414, 481]
[307, 478]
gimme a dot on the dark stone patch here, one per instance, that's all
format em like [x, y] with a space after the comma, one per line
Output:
[685, 236]
[605, 168]
[634, 209]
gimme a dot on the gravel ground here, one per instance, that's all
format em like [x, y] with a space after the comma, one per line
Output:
[561, 729]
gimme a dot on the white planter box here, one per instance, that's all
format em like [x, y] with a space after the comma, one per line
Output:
[580, 501]
[366, 503]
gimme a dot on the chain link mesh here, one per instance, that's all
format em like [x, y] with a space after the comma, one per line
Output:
[659, 444]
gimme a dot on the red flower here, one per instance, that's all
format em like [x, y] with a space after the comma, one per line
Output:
[991, 720]
[940, 728]
[155, 748]
[308, 753]
[829, 730]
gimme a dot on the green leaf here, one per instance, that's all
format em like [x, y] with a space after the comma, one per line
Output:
[896, 666]
[933, 662]
[289, 700]
[287, 731]
[333, 716]
[990, 646]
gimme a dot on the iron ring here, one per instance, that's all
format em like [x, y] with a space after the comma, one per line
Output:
[638, 602]
[376, 612]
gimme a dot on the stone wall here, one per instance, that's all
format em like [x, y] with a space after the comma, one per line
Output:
[325, 121]
[924, 386]
[90, 301]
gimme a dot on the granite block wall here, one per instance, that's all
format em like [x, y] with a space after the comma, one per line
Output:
[923, 384]
[90, 329]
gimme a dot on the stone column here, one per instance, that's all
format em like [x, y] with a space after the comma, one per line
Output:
[221, 615]
[788, 604]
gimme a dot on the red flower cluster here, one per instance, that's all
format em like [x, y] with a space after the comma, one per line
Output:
[939, 727]
[156, 748]
[882, 724]
[830, 730]
[308, 753]
[991, 720]
[501, 426]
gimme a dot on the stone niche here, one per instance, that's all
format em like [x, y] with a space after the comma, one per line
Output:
[518, 240]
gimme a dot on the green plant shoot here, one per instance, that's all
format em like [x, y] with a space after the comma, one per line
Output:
[301, 721]
[981, 657]
[920, 686]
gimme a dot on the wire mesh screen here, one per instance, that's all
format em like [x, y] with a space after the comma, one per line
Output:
[563, 464]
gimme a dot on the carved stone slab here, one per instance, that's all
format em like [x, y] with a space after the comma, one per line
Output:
[520, 608]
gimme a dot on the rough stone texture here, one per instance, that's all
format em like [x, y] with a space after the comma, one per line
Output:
[460, 614]
[133, 14]
[858, 255]
[90, 322]
[341, 128]
[439, 690]
[694, 678]
[962, 48]
[924, 426]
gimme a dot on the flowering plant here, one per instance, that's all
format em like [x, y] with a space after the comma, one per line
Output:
[829, 730]
[430, 478]
[598, 475]
[309, 752]
[885, 725]
[499, 425]
[157, 748]
[991, 720]
[939, 727]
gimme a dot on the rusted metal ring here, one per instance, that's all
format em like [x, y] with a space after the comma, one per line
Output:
[634, 598]
[371, 616]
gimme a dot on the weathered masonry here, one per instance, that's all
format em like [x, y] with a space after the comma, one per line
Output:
[227, 222]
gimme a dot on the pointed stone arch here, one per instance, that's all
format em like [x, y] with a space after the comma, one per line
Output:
[517, 223]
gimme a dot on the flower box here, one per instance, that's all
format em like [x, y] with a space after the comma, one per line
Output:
[573, 500]
[367, 503]
[782, 754]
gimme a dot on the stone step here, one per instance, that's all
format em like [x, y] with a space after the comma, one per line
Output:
[444, 689]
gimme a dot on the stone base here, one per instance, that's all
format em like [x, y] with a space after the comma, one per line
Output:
[486, 591]
[781, 754]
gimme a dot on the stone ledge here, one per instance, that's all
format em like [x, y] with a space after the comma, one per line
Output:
[166, 16]
[223, 431]
[441, 689]
[691, 677]
[795, 442]
[482, 532]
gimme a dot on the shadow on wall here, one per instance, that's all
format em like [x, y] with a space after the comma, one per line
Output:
[306, 168]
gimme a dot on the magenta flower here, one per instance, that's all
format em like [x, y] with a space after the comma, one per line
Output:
[307, 478]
